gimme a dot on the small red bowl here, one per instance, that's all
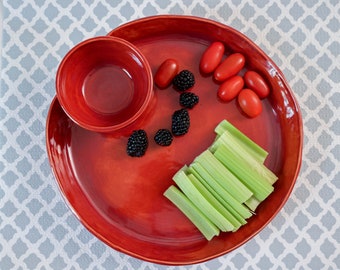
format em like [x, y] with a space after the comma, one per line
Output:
[104, 84]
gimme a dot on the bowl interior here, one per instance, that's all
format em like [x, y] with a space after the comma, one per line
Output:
[104, 83]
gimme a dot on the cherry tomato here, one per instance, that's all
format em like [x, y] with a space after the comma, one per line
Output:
[212, 57]
[255, 82]
[166, 72]
[249, 102]
[229, 67]
[229, 89]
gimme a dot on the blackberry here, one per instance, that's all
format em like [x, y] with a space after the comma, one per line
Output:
[163, 137]
[184, 80]
[137, 143]
[180, 122]
[188, 99]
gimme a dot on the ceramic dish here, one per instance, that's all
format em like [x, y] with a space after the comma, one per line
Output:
[104, 84]
[119, 198]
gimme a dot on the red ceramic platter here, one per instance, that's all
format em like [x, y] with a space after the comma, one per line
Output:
[120, 199]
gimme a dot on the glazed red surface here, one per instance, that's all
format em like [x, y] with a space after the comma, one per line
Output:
[104, 83]
[119, 198]
[108, 89]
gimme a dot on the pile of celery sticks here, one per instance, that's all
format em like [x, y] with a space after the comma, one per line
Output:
[223, 186]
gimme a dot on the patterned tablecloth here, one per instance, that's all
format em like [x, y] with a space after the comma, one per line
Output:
[37, 229]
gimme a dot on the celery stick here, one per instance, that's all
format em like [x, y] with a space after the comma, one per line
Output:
[231, 142]
[189, 189]
[204, 225]
[237, 208]
[260, 187]
[253, 148]
[241, 219]
[215, 203]
[252, 203]
[223, 176]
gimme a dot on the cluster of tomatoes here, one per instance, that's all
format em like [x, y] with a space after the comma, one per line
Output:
[249, 88]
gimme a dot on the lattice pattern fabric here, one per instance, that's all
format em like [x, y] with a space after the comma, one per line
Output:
[37, 229]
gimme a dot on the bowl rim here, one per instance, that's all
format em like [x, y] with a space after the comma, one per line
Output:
[92, 126]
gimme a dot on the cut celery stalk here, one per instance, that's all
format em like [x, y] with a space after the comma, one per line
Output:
[260, 187]
[204, 225]
[241, 219]
[215, 203]
[237, 208]
[228, 140]
[224, 176]
[189, 189]
[253, 148]
[252, 203]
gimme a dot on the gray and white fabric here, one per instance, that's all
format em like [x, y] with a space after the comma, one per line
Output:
[37, 229]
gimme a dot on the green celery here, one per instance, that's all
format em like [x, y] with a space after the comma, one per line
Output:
[240, 219]
[253, 148]
[204, 225]
[236, 163]
[215, 203]
[193, 194]
[224, 185]
[229, 140]
[235, 207]
[252, 203]
[224, 176]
